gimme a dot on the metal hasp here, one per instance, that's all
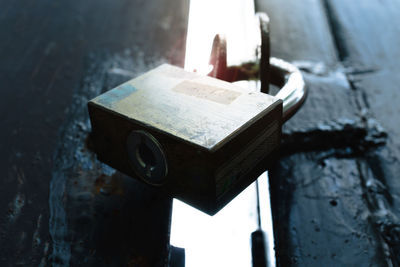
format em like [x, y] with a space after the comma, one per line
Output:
[200, 139]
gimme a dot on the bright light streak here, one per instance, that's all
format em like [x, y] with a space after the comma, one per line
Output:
[233, 18]
[222, 239]
[266, 215]
[219, 240]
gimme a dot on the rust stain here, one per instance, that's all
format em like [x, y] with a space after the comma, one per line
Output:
[109, 185]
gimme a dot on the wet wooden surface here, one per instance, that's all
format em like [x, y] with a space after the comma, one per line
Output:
[370, 51]
[335, 190]
[58, 205]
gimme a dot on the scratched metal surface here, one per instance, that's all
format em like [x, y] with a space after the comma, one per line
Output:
[335, 190]
[206, 121]
[58, 205]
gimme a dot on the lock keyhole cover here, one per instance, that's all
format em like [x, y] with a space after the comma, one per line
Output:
[147, 157]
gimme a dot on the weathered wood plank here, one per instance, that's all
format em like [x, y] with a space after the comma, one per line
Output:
[369, 36]
[317, 195]
[325, 220]
[367, 32]
[54, 57]
[299, 31]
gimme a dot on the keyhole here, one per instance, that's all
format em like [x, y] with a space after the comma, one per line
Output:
[145, 156]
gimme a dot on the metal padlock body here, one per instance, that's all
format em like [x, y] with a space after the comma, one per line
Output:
[200, 139]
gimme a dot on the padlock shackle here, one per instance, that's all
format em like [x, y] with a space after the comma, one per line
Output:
[271, 71]
[293, 90]
[280, 73]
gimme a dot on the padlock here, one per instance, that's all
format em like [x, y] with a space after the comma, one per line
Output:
[199, 139]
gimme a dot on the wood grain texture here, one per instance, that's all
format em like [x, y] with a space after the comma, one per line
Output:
[369, 35]
[324, 222]
[299, 31]
[54, 58]
[367, 31]
[318, 188]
